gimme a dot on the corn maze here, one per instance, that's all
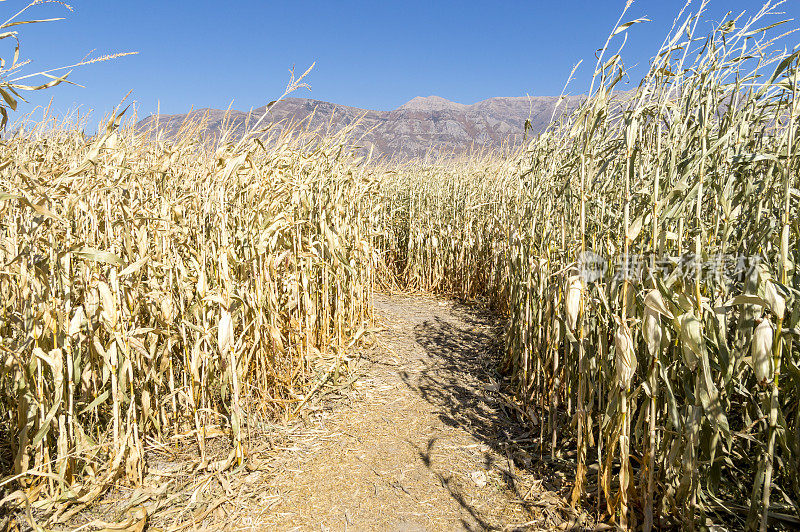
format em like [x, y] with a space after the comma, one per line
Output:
[643, 251]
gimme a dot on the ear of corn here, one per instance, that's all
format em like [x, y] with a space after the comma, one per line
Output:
[761, 351]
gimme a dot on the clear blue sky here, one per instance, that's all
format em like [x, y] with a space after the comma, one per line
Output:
[369, 54]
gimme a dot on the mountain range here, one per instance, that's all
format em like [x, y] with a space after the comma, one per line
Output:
[423, 125]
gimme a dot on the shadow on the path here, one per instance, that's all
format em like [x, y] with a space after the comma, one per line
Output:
[456, 377]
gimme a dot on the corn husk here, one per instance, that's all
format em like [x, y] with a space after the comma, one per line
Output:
[625, 361]
[655, 302]
[108, 302]
[777, 303]
[572, 303]
[651, 329]
[761, 350]
[691, 336]
[225, 331]
[76, 322]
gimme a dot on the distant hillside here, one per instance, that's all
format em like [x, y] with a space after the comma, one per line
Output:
[423, 124]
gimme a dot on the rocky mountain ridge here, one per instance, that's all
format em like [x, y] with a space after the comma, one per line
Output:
[423, 125]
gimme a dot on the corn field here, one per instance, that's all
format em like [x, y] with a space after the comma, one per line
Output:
[152, 289]
[644, 250]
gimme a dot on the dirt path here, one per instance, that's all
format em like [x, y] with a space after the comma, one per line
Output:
[422, 443]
